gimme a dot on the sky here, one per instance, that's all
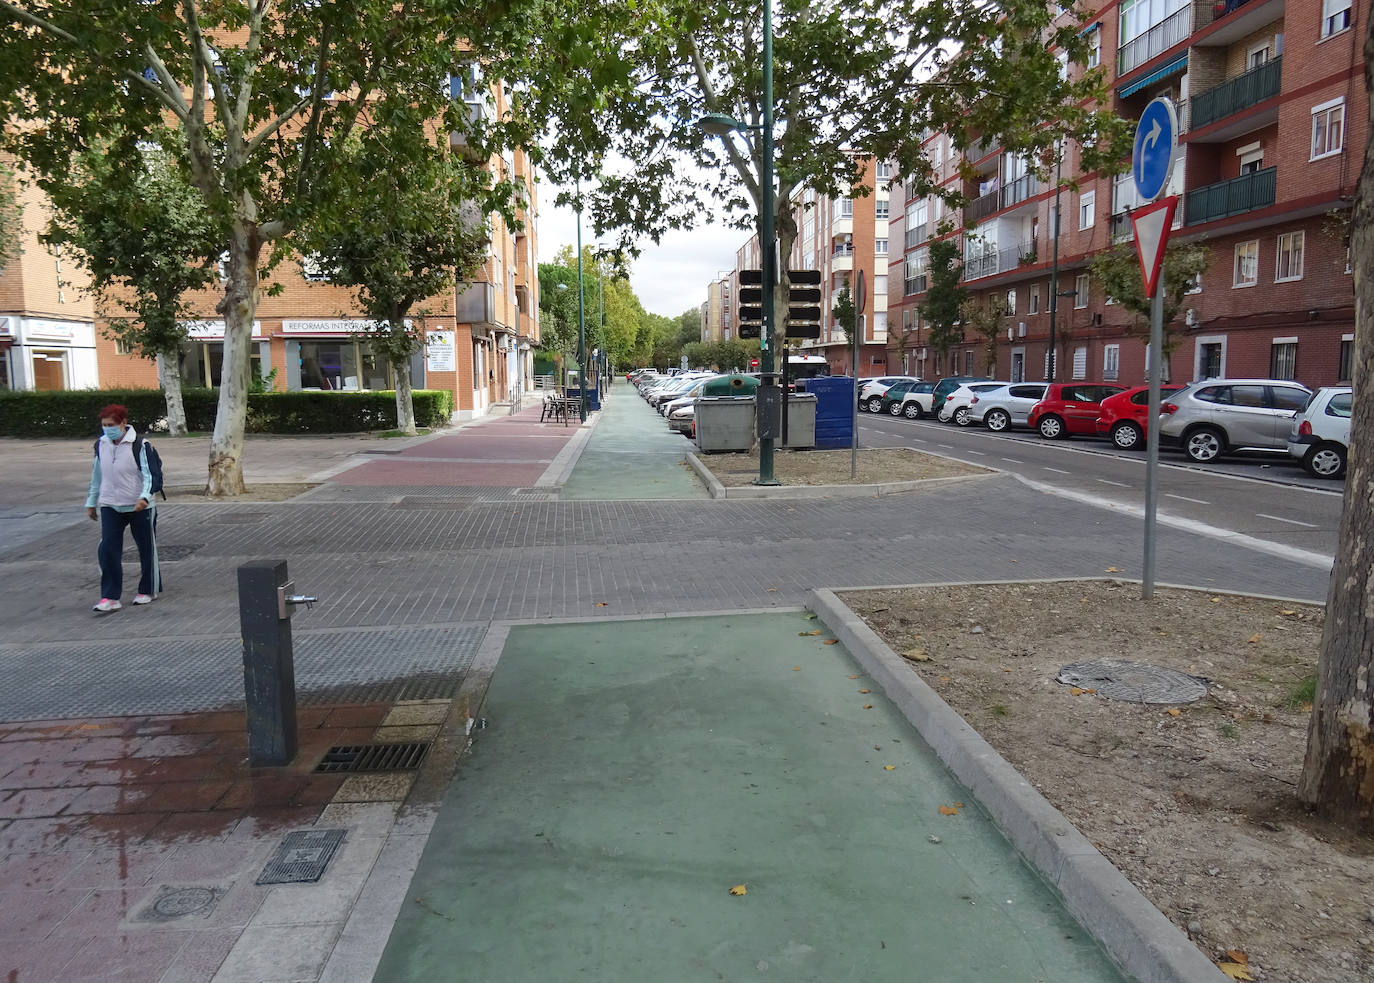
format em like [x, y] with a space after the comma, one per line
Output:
[669, 277]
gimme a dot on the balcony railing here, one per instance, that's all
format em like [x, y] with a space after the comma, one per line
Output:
[986, 262]
[1158, 39]
[980, 149]
[843, 249]
[915, 285]
[1234, 197]
[981, 207]
[1121, 227]
[916, 236]
[1239, 93]
[1019, 190]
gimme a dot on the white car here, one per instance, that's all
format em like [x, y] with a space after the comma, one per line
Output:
[684, 398]
[957, 403]
[1320, 434]
[1005, 406]
[871, 390]
[683, 419]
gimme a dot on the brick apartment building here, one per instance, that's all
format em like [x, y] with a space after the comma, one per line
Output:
[1273, 117]
[311, 336]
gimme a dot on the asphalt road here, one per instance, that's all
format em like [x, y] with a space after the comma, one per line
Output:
[1259, 496]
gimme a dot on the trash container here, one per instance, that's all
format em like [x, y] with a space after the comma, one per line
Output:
[725, 423]
[801, 420]
[731, 385]
[835, 398]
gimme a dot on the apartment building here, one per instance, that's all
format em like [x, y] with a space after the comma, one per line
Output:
[310, 336]
[1273, 118]
[717, 314]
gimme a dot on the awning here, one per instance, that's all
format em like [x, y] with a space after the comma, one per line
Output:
[1089, 29]
[1171, 67]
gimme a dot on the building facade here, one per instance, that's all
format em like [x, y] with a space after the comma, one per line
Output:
[1273, 116]
[717, 313]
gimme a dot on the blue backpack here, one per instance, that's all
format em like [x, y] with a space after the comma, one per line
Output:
[154, 462]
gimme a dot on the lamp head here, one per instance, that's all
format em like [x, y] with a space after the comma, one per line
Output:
[719, 125]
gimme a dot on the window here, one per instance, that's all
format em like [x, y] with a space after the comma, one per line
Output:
[1251, 158]
[1288, 398]
[1094, 49]
[1211, 358]
[1087, 205]
[1288, 263]
[844, 208]
[122, 347]
[1246, 271]
[1347, 346]
[312, 269]
[1063, 58]
[879, 247]
[201, 362]
[1340, 405]
[1256, 57]
[937, 151]
[1011, 302]
[1033, 301]
[222, 265]
[1111, 361]
[968, 361]
[882, 208]
[1194, 285]
[1335, 16]
[880, 285]
[884, 170]
[1328, 129]
[1080, 295]
[1283, 358]
[1050, 362]
[1080, 362]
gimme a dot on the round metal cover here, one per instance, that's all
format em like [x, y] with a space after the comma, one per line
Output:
[186, 901]
[1135, 682]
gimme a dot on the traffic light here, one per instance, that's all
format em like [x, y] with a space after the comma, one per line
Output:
[803, 304]
[750, 303]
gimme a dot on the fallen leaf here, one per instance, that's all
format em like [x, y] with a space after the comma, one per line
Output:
[1092, 691]
[949, 811]
[601, 604]
[853, 677]
[946, 679]
[832, 641]
[864, 691]
[771, 590]
[1288, 613]
[1112, 570]
[916, 655]
[1254, 638]
[1235, 970]
[1012, 561]
[959, 805]
[1238, 956]
[1076, 691]
[868, 706]
[738, 890]
[1173, 713]
[889, 767]
[1216, 600]
[796, 668]
[805, 634]
[810, 617]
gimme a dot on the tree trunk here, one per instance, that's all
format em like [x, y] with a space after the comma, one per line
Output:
[169, 378]
[1338, 773]
[405, 405]
[239, 306]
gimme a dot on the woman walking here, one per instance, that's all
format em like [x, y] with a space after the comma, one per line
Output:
[122, 489]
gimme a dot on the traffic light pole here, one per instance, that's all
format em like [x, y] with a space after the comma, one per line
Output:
[768, 335]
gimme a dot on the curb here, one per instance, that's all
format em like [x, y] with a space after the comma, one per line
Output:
[1134, 933]
[561, 467]
[719, 491]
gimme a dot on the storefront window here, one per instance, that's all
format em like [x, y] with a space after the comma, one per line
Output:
[202, 363]
[344, 364]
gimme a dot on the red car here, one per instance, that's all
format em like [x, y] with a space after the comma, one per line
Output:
[1070, 408]
[1124, 416]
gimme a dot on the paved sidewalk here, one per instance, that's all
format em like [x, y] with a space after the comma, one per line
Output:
[633, 773]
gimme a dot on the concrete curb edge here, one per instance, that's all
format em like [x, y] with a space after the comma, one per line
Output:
[712, 483]
[737, 492]
[1135, 934]
[559, 470]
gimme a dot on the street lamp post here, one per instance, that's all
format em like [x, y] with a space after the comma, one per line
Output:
[721, 125]
[581, 322]
[1051, 361]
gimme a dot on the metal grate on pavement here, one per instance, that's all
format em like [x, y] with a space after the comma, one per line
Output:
[302, 857]
[373, 757]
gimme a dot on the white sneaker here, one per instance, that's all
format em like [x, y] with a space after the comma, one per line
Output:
[105, 606]
[143, 598]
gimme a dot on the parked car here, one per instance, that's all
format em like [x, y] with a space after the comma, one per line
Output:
[682, 419]
[1208, 419]
[891, 401]
[947, 385]
[1320, 433]
[956, 406]
[685, 397]
[916, 401]
[1070, 409]
[671, 391]
[1124, 417]
[871, 390]
[1006, 406]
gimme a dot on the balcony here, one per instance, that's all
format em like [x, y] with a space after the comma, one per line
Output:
[479, 112]
[915, 285]
[981, 207]
[476, 305]
[916, 236]
[1240, 93]
[981, 148]
[1122, 231]
[1019, 190]
[1170, 31]
[1234, 197]
[988, 261]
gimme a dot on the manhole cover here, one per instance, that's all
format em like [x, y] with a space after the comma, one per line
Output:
[1135, 682]
[302, 857]
[373, 757]
[172, 903]
[167, 553]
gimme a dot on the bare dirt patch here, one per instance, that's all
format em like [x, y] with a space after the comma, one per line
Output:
[832, 467]
[1194, 802]
[257, 492]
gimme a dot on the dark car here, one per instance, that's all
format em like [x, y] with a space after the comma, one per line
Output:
[1070, 408]
[947, 385]
[892, 399]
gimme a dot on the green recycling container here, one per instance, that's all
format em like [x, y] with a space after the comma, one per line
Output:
[730, 385]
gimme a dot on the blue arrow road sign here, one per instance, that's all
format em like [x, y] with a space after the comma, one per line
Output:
[1156, 138]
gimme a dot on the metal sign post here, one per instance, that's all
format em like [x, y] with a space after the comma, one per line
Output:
[860, 292]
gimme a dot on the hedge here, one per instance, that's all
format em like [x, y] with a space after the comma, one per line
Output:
[72, 413]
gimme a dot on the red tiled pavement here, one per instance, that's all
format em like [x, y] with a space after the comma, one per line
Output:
[442, 474]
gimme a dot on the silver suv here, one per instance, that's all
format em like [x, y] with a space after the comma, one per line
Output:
[1210, 418]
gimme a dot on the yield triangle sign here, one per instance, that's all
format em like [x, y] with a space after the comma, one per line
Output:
[1151, 224]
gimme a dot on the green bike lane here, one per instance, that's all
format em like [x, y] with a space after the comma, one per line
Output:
[632, 773]
[632, 455]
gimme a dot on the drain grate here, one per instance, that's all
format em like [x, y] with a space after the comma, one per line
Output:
[373, 757]
[302, 857]
[1134, 682]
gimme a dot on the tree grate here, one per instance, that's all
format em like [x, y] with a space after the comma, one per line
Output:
[373, 757]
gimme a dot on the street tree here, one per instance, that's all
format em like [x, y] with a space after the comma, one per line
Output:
[851, 88]
[11, 216]
[987, 321]
[1338, 772]
[402, 221]
[147, 241]
[943, 306]
[262, 96]
[843, 312]
[1118, 269]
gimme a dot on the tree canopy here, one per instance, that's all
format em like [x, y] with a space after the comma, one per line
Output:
[1119, 270]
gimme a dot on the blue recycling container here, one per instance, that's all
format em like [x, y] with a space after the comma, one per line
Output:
[835, 400]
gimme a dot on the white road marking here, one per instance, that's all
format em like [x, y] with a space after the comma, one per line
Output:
[948, 447]
[1119, 484]
[979, 453]
[1013, 460]
[1057, 471]
[1279, 518]
[1185, 498]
